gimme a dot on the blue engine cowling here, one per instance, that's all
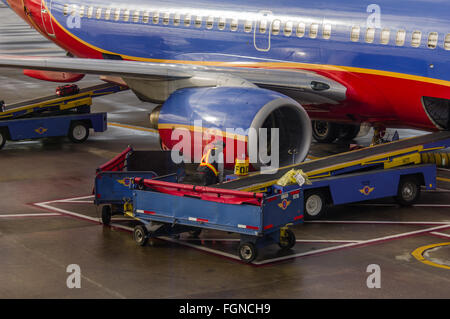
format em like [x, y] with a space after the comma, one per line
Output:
[233, 107]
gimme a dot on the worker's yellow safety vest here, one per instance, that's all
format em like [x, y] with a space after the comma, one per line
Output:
[206, 161]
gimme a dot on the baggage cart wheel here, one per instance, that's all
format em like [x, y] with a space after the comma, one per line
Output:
[314, 205]
[2, 139]
[408, 192]
[247, 252]
[140, 235]
[288, 241]
[78, 132]
[106, 215]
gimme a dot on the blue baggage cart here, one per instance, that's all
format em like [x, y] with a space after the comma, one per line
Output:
[113, 179]
[260, 220]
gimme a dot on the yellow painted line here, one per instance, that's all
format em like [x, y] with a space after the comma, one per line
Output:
[443, 179]
[418, 254]
[132, 127]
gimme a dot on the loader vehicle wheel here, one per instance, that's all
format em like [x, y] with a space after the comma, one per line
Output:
[408, 192]
[78, 132]
[314, 205]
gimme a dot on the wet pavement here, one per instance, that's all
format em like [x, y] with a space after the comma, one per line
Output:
[48, 221]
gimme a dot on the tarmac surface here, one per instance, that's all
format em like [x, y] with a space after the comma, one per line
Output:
[48, 222]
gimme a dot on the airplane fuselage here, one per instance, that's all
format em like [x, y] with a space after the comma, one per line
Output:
[392, 57]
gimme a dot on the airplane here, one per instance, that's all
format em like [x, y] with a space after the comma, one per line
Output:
[320, 68]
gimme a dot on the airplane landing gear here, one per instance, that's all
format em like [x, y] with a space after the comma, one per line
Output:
[328, 132]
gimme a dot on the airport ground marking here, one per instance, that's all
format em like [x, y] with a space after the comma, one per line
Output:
[419, 255]
[30, 215]
[133, 127]
[344, 244]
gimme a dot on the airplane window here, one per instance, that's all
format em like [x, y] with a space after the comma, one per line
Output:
[234, 24]
[447, 42]
[126, 15]
[81, 14]
[401, 37]
[136, 15]
[313, 30]
[288, 28]
[433, 40]
[385, 36]
[276, 26]
[166, 18]
[155, 17]
[176, 19]
[116, 14]
[210, 23]
[248, 26]
[90, 12]
[356, 30]
[198, 21]
[416, 39]
[146, 17]
[98, 13]
[370, 35]
[263, 26]
[66, 9]
[222, 23]
[107, 13]
[326, 32]
[301, 29]
[187, 20]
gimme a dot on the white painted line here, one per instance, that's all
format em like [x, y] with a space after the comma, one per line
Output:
[396, 205]
[366, 242]
[29, 215]
[214, 251]
[76, 201]
[66, 212]
[327, 241]
[420, 223]
[441, 234]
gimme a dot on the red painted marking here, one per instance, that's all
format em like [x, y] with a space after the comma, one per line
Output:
[268, 227]
[149, 212]
[295, 192]
[298, 217]
[272, 199]
[252, 227]
[202, 220]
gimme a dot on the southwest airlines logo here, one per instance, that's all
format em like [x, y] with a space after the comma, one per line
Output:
[284, 204]
[125, 181]
[367, 190]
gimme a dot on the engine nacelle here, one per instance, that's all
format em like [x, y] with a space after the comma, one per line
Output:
[233, 113]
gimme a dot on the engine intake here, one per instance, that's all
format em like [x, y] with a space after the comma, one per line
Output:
[236, 109]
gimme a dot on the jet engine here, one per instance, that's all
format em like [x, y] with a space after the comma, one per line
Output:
[236, 115]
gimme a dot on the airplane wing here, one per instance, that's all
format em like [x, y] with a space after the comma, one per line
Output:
[305, 86]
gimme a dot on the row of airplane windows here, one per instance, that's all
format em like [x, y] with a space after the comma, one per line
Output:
[288, 28]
